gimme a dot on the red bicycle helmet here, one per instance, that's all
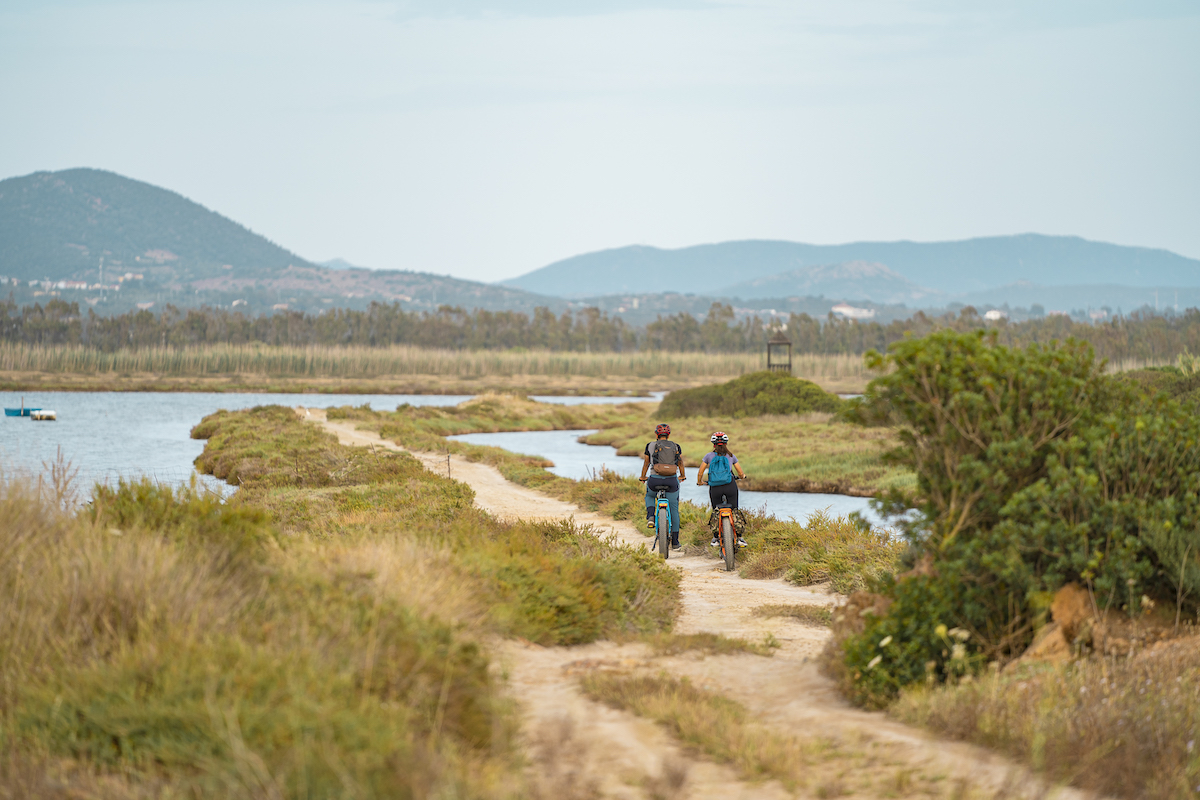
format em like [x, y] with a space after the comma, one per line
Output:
[662, 430]
[719, 437]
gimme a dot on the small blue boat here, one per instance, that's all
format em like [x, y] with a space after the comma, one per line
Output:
[20, 412]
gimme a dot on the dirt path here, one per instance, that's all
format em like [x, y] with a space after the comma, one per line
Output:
[582, 742]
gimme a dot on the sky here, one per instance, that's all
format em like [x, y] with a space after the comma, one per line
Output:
[486, 139]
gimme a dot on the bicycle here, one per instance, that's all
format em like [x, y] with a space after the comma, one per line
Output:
[662, 523]
[728, 531]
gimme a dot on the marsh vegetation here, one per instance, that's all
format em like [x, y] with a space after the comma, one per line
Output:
[1052, 560]
[324, 628]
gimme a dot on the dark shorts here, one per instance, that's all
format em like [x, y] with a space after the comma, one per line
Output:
[728, 489]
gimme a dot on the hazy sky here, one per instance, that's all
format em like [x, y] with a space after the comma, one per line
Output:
[485, 139]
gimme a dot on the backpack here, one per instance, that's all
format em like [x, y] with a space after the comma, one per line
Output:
[720, 471]
[664, 458]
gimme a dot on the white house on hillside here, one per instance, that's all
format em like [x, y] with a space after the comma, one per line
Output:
[850, 312]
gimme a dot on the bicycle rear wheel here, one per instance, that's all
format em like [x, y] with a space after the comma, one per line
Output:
[727, 542]
[662, 523]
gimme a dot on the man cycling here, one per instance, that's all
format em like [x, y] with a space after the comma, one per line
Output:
[663, 459]
[719, 466]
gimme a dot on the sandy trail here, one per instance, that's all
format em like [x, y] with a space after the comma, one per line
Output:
[626, 756]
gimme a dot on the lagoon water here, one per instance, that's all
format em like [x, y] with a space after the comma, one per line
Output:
[110, 435]
[573, 459]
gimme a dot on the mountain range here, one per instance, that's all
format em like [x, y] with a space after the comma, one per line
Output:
[87, 234]
[929, 271]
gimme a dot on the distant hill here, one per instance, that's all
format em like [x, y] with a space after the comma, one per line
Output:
[950, 267]
[854, 280]
[56, 226]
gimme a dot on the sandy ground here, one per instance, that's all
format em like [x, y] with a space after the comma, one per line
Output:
[861, 754]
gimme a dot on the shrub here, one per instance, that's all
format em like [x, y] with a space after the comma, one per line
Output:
[1033, 469]
[750, 395]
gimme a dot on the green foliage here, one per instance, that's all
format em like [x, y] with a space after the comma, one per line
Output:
[1033, 469]
[750, 395]
[186, 513]
[266, 446]
[910, 643]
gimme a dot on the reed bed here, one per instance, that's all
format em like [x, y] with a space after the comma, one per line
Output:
[368, 362]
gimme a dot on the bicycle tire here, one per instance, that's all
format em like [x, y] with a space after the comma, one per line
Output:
[662, 524]
[727, 542]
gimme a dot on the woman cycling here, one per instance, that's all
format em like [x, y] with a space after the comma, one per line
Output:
[719, 466]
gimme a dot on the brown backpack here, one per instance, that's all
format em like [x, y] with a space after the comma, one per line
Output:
[664, 458]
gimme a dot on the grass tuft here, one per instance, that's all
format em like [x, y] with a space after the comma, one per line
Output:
[1116, 726]
[821, 616]
[713, 644]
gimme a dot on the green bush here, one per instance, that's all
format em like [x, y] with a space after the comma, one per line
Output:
[1033, 469]
[912, 642]
[184, 513]
[750, 395]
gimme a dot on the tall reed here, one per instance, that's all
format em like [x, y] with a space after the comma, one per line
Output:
[402, 360]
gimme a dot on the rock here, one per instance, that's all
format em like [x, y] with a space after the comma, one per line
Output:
[1050, 645]
[1070, 608]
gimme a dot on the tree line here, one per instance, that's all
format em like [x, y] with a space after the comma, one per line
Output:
[1137, 336]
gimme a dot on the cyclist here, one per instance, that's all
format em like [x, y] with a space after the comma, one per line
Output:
[719, 466]
[664, 460]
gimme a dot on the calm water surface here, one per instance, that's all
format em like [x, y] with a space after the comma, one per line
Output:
[108, 435]
[573, 459]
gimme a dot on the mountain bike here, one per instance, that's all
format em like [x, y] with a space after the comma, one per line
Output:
[727, 531]
[662, 523]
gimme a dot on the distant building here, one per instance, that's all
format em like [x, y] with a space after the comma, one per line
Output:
[851, 312]
[1058, 313]
[1097, 314]
[995, 315]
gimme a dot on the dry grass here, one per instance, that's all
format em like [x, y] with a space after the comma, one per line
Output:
[1117, 726]
[810, 453]
[820, 616]
[395, 369]
[712, 644]
[373, 362]
[153, 649]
